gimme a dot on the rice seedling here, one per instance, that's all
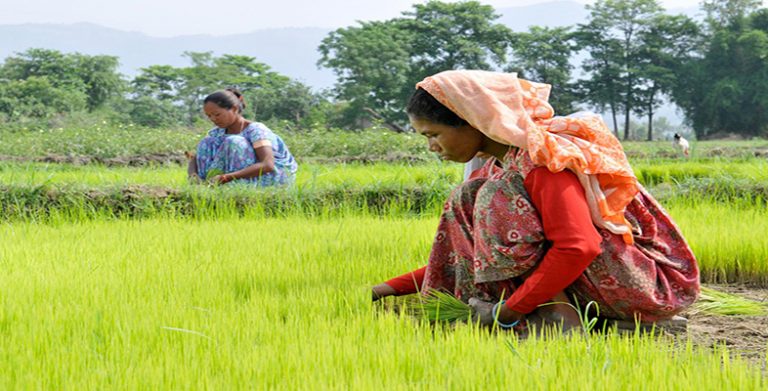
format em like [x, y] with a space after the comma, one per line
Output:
[728, 240]
[714, 302]
[235, 303]
[437, 306]
[310, 175]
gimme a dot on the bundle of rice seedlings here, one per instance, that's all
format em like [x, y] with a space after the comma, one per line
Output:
[213, 172]
[440, 306]
[714, 302]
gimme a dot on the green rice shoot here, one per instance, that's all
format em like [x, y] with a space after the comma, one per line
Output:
[438, 306]
[713, 302]
[213, 172]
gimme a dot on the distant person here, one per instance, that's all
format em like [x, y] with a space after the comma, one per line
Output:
[555, 213]
[238, 150]
[682, 144]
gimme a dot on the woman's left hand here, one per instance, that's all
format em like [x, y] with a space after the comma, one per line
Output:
[482, 312]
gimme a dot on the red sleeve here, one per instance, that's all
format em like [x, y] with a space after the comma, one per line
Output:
[560, 200]
[408, 283]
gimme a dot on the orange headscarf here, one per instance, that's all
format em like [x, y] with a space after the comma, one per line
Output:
[515, 112]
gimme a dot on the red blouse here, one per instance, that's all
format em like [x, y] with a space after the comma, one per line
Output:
[567, 224]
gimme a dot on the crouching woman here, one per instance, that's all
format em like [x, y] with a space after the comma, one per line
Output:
[238, 150]
[555, 215]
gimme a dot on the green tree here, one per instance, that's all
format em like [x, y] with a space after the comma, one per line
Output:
[670, 42]
[378, 63]
[722, 13]
[100, 78]
[612, 36]
[458, 35]
[603, 88]
[726, 89]
[543, 54]
[161, 82]
[151, 112]
[372, 67]
[35, 97]
[95, 76]
[58, 68]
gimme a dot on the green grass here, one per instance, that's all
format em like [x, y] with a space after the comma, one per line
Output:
[658, 171]
[729, 239]
[279, 304]
[743, 149]
[310, 175]
[724, 220]
[649, 172]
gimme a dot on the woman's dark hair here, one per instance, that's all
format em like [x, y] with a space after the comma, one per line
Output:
[227, 99]
[425, 106]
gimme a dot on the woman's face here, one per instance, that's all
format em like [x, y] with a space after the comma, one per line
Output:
[220, 116]
[458, 144]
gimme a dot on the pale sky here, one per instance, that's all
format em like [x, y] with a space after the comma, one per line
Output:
[164, 18]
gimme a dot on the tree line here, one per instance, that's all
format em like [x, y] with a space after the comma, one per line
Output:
[635, 56]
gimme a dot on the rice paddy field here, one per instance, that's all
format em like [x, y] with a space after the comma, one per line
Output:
[121, 277]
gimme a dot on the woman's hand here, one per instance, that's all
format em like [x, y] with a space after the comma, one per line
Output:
[220, 179]
[381, 290]
[482, 312]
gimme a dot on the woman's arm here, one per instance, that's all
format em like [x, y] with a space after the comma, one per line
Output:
[560, 200]
[401, 285]
[265, 165]
[192, 170]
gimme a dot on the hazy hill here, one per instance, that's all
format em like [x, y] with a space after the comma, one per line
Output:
[291, 51]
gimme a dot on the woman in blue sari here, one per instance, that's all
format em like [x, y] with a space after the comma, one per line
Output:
[238, 150]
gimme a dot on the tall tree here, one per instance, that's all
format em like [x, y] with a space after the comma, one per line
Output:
[543, 54]
[161, 82]
[377, 63]
[726, 91]
[721, 13]
[619, 24]
[268, 94]
[100, 78]
[669, 43]
[458, 35]
[372, 65]
[604, 86]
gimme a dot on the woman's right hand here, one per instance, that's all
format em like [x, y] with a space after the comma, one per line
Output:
[381, 290]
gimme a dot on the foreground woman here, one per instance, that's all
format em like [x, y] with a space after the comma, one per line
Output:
[555, 215]
[237, 149]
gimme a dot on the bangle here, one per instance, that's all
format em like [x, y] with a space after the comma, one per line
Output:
[495, 313]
